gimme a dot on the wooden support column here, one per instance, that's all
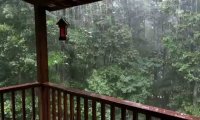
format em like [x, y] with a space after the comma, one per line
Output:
[42, 61]
[41, 45]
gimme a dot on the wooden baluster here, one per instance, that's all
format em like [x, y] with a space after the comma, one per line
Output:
[53, 105]
[135, 115]
[23, 105]
[86, 108]
[2, 107]
[94, 113]
[13, 104]
[33, 103]
[148, 117]
[103, 117]
[78, 108]
[123, 114]
[65, 107]
[71, 107]
[112, 112]
[59, 106]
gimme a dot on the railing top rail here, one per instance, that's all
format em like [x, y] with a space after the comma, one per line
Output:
[145, 109]
[18, 87]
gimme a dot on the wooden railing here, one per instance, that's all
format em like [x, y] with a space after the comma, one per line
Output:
[76, 104]
[15, 97]
[72, 104]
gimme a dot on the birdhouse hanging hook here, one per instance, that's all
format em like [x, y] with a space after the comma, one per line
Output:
[63, 26]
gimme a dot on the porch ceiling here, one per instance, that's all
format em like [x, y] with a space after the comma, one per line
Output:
[52, 5]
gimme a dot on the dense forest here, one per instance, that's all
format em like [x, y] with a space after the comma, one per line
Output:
[145, 51]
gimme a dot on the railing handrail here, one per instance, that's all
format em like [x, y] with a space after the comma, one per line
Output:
[140, 108]
[19, 87]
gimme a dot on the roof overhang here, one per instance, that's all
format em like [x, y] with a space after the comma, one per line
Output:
[52, 5]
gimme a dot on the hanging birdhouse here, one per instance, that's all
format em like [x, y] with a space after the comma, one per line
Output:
[63, 25]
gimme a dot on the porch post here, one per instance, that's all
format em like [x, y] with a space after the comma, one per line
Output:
[42, 61]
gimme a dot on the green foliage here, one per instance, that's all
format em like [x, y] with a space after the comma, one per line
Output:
[183, 57]
[117, 82]
[191, 109]
[16, 54]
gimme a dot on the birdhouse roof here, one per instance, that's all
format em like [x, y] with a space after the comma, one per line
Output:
[52, 5]
[63, 21]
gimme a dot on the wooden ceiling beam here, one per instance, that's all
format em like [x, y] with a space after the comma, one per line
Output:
[53, 5]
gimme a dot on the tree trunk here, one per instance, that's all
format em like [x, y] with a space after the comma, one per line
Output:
[195, 93]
